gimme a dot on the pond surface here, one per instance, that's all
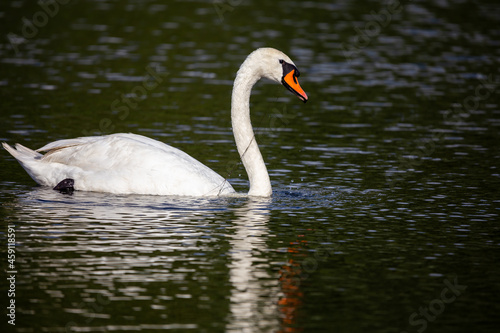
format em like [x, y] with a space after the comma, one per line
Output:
[385, 212]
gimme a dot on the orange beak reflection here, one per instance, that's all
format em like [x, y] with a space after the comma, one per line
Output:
[290, 81]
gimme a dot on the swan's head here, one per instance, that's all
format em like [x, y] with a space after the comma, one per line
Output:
[277, 66]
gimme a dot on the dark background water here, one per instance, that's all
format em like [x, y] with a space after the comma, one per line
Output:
[385, 210]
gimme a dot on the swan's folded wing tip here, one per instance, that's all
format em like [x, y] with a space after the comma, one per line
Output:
[7, 147]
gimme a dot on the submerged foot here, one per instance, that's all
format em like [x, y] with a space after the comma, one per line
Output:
[65, 186]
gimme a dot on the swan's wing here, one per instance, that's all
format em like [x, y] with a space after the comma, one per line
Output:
[115, 151]
[130, 163]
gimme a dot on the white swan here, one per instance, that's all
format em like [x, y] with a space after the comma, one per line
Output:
[130, 163]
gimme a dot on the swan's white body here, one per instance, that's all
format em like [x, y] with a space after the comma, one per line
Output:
[130, 163]
[121, 163]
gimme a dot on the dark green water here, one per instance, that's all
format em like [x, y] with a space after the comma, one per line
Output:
[385, 213]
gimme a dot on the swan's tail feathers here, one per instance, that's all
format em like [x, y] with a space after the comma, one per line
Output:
[30, 160]
[22, 153]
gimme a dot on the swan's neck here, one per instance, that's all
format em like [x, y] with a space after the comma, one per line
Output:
[247, 76]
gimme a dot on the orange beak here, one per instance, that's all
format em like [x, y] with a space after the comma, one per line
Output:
[290, 81]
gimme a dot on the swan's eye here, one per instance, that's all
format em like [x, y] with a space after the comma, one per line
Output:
[281, 61]
[287, 68]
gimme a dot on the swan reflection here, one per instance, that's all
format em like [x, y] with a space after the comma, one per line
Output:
[157, 255]
[255, 290]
